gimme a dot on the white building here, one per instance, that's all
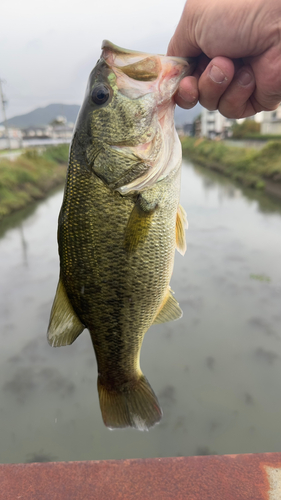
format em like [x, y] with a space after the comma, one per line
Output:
[10, 138]
[271, 121]
[213, 124]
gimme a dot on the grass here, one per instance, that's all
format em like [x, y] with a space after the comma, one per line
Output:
[259, 137]
[252, 168]
[4, 151]
[33, 174]
[30, 177]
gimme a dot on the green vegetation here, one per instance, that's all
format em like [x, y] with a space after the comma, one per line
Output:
[249, 129]
[250, 167]
[3, 152]
[30, 176]
[260, 277]
[244, 129]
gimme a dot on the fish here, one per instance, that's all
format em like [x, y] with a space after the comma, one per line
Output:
[120, 223]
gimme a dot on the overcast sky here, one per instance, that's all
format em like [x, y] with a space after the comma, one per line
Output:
[47, 49]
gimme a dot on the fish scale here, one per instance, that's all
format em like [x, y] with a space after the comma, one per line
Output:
[117, 251]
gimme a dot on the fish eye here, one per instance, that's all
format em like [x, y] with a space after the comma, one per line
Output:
[100, 94]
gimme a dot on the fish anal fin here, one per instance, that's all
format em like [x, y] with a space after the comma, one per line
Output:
[139, 223]
[64, 326]
[169, 311]
[134, 405]
[181, 225]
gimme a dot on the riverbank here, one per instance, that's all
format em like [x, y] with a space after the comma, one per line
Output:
[30, 177]
[257, 169]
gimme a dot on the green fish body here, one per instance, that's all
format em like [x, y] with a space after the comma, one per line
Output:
[119, 225]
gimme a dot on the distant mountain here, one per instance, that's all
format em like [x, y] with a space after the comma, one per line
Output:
[40, 117]
[43, 116]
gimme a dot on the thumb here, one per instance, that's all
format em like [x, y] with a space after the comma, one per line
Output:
[183, 44]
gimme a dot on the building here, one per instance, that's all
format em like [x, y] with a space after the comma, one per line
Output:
[214, 125]
[58, 129]
[10, 138]
[197, 126]
[185, 129]
[188, 129]
[271, 121]
[42, 132]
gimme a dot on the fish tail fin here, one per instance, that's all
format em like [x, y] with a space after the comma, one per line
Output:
[132, 405]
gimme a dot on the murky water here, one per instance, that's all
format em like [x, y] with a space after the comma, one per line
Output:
[217, 371]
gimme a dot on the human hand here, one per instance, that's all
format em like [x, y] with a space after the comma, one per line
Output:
[238, 46]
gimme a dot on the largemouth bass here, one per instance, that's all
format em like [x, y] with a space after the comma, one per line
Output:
[120, 223]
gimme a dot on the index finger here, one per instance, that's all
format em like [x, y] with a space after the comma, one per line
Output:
[188, 94]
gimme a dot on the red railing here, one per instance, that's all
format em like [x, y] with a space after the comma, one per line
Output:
[226, 477]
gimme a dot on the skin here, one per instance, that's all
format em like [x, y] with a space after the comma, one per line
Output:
[238, 46]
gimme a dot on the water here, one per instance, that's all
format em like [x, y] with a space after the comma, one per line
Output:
[217, 371]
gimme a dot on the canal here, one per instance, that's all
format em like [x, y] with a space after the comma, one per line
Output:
[217, 371]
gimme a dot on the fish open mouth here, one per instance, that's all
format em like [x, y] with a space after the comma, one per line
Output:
[123, 57]
[141, 75]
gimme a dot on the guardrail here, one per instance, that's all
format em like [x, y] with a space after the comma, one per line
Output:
[226, 477]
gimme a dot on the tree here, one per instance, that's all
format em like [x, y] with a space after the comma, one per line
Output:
[244, 129]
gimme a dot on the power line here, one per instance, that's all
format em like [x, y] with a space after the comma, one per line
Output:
[3, 101]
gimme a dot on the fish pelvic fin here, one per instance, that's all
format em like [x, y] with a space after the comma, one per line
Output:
[170, 309]
[181, 225]
[133, 405]
[64, 326]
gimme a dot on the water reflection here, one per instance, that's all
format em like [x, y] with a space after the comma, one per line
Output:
[216, 372]
[230, 189]
[266, 356]
[23, 245]
[40, 456]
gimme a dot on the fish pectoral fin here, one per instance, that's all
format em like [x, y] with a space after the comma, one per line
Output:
[64, 326]
[181, 225]
[139, 223]
[169, 311]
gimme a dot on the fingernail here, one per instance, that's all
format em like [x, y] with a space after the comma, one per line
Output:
[245, 77]
[217, 75]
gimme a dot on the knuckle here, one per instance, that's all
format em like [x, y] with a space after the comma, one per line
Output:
[210, 106]
[230, 107]
[231, 112]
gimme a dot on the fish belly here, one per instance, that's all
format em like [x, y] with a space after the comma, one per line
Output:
[116, 293]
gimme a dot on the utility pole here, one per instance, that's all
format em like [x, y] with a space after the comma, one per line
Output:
[4, 113]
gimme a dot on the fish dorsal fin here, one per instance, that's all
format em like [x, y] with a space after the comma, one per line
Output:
[181, 224]
[169, 311]
[64, 326]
